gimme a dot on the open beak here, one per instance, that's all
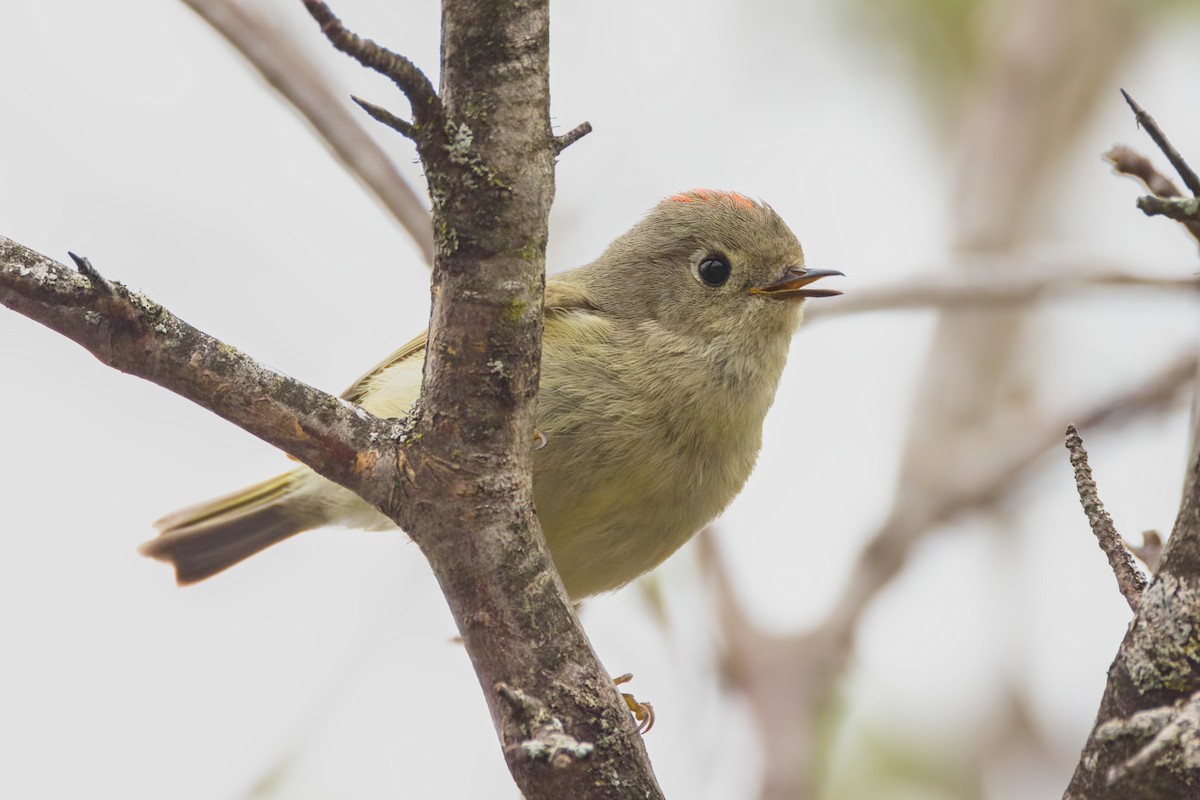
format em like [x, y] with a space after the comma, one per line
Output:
[791, 285]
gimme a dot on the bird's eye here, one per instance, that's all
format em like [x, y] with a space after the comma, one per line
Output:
[713, 270]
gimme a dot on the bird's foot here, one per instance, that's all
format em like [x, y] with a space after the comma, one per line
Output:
[642, 712]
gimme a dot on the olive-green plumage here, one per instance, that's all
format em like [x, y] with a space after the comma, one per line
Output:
[656, 376]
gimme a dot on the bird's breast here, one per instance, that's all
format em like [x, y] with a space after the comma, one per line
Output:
[641, 453]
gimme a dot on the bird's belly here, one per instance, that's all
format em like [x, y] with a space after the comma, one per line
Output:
[625, 518]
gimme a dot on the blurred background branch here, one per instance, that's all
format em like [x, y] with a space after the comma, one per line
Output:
[289, 69]
[958, 295]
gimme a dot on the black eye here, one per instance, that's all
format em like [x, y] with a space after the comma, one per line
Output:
[713, 270]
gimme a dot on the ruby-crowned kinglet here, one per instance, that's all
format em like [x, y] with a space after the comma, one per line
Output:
[659, 362]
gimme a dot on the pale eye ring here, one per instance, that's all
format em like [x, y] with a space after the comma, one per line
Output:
[713, 270]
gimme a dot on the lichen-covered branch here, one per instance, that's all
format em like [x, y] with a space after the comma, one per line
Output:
[1130, 579]
[488, 153]
[1144, 743]
[461, 483]
[132, 333]
[1155, 676]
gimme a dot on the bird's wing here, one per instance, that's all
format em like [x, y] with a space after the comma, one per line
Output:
[563, 295]
[360, 387]
[560, 296]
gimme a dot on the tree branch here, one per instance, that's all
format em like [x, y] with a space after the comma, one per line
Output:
[572, 136]
[461, 485]
[1147, 123]
[1127, 161]
[789, 680]
[1130, 579]
[380, 114]
[1155, 676]
[128, 331]
[1180, 209]
[488, 154]
[1146, 725]
[1166, 200]
[425, 103]
[288, 69]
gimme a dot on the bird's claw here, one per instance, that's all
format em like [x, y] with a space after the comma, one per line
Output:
[642, 712]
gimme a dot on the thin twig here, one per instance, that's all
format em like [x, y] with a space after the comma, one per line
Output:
[1190, 180]
[1127, 161]
[1130, 579]
[381, 114]
[426, 106]
[570, 137]
[92, 274]
[290, 70]
[1180, 209]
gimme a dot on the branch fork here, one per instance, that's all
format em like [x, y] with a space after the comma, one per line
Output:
[1165, 199]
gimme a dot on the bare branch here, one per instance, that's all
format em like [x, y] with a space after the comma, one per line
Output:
[1190, 180]
[290, 71]
[1180, 209]
[426, 105]
[959, 294]
[1130, 579]
[789, 680]
[380, 114]
[570, 137]
[130, 332]
[1127, 161]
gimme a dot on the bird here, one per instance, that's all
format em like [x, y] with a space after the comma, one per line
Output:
[660, 360]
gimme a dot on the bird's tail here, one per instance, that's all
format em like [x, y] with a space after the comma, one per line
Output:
[204, 539]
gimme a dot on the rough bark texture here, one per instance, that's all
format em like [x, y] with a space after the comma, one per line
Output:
[1146, 743]
[491, 178]
[456, 474]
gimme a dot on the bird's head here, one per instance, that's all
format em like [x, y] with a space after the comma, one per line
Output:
[709, 264]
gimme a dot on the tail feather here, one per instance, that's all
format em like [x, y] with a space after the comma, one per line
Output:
[208, 538]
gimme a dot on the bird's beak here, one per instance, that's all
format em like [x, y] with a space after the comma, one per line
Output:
[791, 285]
